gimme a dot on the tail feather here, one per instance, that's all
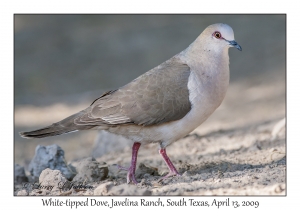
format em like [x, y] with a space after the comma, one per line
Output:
[52, 130]
[65, 126]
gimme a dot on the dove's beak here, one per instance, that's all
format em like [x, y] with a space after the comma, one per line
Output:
[235, 44]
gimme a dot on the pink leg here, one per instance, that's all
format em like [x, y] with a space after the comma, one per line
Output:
[170, 165]
[131, 169]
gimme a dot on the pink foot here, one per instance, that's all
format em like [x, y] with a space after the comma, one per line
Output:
[172, 169]
[131, 169]
[130, 174]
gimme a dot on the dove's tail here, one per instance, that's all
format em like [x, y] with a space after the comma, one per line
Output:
[52, 130]
[65, 126]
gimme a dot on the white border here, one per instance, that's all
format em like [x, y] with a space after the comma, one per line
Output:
[8, 8]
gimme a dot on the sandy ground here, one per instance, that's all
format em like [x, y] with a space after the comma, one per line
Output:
[239, 150]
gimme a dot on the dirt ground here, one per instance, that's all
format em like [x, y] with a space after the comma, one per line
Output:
[239, 150]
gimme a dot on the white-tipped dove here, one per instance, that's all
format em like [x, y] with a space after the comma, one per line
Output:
[164, 104]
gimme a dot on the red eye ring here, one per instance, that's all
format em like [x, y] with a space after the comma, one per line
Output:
[217, 34]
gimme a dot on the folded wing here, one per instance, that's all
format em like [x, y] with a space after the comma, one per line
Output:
[158, 96]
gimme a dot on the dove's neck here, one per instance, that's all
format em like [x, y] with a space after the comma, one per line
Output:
[210, 58]
[210, 71]
[201, 50]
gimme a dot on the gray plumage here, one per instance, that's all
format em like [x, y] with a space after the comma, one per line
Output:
[158, 96]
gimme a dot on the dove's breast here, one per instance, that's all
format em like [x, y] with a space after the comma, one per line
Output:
[206, 96]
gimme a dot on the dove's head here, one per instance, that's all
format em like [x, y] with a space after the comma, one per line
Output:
[221, 36]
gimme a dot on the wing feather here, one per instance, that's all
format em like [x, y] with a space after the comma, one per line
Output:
[158, 96]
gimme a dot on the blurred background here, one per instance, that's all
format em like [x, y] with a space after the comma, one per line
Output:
[63, 62]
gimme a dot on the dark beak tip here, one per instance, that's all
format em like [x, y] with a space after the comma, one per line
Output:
[233, 43]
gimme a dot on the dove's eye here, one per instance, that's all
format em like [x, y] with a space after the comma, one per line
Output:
[217, 34]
